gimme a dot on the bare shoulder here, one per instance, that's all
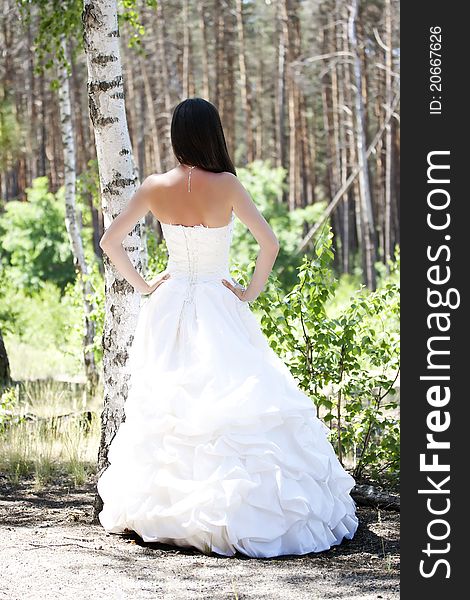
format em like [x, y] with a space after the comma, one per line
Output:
[155, 183]
[223, 177]
[154, 179]
[224, 182]
[230, 182]
[234, 189]
[228, 177]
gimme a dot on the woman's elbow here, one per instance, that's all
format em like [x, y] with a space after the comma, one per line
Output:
[104, 242]
[273, 246]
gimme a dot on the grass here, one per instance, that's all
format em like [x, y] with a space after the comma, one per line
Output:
[41, 444]
[50, 437]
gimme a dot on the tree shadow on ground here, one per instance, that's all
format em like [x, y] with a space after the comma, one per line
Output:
[365, 541]
[377, 536]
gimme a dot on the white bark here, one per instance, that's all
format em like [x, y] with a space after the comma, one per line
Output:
[71, 222]
[388, 135]
[118, 181]
[366, 200]
[281, 81]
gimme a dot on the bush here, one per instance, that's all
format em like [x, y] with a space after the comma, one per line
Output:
[73, 300]
[264, 184]
[37, 330]
[347, 363]
[35, 246]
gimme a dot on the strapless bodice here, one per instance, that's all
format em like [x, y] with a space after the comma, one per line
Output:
[197, 252]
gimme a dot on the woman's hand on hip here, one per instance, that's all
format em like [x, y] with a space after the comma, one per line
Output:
[156, 282]
[240, 292]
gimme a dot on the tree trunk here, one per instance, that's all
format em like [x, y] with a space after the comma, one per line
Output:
[42, 129]
[244, 91]
[164, 88]
[331, 182]
[156, 159]
[31, 139]
[343, 68]
[281, 152]
[5, 378]
[229, 61]
[204, 53]
[388, 136]
[334, 136]
[292, 173]
[308, 175]
[73, 229]
[367, 216]
[296, 197]
[118, 181]
[186, 49]
[218, 18]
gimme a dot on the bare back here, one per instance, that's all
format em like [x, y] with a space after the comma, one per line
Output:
[209, 201]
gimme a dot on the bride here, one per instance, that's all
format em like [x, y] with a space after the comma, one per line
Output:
[219, 450]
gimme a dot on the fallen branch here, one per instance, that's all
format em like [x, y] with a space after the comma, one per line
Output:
[57, 546]
[368, 495]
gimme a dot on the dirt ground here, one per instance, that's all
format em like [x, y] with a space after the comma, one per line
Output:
[50, 550]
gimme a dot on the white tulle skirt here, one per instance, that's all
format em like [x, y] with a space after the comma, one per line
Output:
[220, 450]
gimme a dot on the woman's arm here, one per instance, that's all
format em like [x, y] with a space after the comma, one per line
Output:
[111, 241]
[246, 211]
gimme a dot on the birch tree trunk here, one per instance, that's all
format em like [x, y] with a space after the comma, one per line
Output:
[367, 216]
[281, 150]
[343, 69]
[73, 229]
[118, 181]
[334, 122]
[294, 94]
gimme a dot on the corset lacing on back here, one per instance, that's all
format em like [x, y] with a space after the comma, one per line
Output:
[197, 255]
[220, 450]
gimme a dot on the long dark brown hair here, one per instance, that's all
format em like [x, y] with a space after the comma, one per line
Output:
[198, 138]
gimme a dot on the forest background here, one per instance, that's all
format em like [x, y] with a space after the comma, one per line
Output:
[308, 94]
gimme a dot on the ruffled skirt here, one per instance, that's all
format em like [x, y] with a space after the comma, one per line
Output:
[219, 449]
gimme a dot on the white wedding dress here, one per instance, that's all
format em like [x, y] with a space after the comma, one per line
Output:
[219, 449]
